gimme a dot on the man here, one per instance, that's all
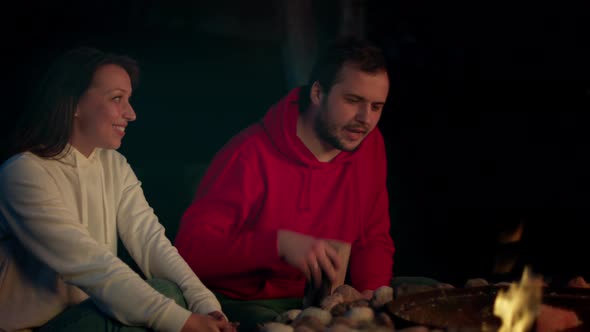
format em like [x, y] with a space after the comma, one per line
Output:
[288, 198]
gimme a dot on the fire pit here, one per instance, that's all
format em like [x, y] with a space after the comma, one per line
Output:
[517, 307]
[472, 308]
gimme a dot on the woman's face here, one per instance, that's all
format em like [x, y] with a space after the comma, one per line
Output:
[103, 111]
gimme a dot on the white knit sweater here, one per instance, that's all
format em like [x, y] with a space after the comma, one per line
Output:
[59, 221]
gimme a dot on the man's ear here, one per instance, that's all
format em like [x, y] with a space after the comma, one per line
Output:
[77, 112]
[315, 93]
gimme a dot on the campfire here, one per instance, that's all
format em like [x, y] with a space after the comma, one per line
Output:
[519, 306]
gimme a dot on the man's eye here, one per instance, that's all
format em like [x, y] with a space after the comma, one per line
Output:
[377, 108]
[352, 100]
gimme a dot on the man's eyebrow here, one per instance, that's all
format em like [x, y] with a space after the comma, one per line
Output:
[354, 96]
[363, 99]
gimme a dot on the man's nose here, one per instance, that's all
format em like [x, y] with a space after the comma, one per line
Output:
[363, 113]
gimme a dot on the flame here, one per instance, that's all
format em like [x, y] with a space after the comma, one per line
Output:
[519, 306]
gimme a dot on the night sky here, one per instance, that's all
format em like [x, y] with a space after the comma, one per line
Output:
[486, 123]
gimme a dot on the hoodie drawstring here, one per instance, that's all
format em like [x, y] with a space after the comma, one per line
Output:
[105, 219]
[357, 204]
[83, 198]
[304, 200]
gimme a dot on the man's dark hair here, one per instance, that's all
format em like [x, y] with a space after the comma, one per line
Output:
[344, 51]
[46, 125]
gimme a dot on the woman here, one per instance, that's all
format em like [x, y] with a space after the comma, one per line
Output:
[66, 196]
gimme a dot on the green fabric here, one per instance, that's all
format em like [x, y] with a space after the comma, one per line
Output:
[253, 312]
[87, 317]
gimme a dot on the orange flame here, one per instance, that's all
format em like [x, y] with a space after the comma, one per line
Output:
[519, 306]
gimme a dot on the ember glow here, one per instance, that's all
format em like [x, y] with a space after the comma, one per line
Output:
[519, 306]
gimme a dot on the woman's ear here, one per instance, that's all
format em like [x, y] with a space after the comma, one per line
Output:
[315, 93]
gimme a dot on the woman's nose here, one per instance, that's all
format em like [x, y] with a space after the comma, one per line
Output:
[129, 113]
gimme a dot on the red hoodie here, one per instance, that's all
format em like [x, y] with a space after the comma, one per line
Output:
[265, 179]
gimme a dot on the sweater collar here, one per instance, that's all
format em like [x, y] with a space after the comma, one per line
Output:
[72, 157]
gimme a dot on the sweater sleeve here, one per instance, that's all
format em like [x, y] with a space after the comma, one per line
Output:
[371, 259]
[35, 212]
[214, 236]
[145, 239]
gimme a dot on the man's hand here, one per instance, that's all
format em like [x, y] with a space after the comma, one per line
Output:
[310, 255]
[206, 323]
[367, 294]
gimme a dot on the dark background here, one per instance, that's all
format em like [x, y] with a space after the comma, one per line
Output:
[486, 124]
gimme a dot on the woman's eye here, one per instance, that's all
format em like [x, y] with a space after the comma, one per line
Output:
[117, 98]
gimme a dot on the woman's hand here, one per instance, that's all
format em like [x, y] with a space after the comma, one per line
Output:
[217, 315]
[230, 327]
[207, 323]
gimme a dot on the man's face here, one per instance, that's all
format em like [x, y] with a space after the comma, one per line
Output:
[351, 109]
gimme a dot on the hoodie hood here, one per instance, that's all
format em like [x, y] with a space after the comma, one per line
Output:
[72, 157]
[280, 123]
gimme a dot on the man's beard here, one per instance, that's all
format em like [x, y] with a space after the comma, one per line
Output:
[327, 133]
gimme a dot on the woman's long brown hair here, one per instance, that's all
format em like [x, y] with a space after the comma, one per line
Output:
[45, 127]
